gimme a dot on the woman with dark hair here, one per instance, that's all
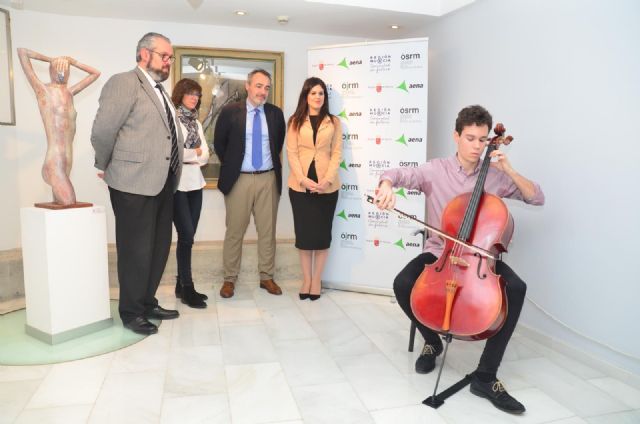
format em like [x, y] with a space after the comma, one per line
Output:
[314, 150]
[187, 201]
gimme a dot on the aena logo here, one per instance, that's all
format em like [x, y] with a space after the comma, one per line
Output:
[347, 216]
[405, 87]
[346, 167]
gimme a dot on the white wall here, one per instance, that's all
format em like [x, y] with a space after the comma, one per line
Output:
[109, 45]
[564, 78]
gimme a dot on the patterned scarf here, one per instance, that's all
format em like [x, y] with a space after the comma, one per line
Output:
[188, 119]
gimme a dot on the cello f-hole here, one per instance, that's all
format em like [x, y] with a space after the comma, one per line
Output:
[480, 258]
[446, 258]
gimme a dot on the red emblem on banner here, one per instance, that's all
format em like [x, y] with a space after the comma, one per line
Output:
[378, 140]
[376, 242]
[378, 88]
[321, 66]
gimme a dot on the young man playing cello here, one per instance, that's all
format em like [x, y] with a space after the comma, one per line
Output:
[441, 180]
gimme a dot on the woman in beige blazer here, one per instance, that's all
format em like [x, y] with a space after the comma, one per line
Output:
[314, 150]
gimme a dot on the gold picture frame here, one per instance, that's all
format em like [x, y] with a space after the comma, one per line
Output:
[7, 107]
[222, 74]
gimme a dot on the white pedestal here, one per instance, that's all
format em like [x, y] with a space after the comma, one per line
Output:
[66, 278]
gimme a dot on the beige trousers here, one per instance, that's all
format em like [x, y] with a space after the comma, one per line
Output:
[257, 195]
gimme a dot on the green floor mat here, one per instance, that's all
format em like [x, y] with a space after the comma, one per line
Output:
[18, 348]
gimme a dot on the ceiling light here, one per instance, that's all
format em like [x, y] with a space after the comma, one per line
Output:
[240, 12]
[395, 27]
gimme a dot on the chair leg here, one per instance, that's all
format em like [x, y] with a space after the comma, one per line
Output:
[412, 336]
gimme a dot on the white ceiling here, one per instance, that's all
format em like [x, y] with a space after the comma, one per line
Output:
[369, 19]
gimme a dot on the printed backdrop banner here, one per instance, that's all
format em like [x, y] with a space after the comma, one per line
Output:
[379, 91]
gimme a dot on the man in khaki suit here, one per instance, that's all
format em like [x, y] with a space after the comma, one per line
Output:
[139, 151]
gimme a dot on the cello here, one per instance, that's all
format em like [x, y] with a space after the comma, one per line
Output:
[460, 294]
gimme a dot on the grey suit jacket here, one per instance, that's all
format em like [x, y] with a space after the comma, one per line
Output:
[131, 136]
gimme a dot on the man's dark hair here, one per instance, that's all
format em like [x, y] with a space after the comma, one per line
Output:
[471, 115]
[258, 71]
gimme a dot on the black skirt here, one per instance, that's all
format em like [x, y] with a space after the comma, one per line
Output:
[312, 218]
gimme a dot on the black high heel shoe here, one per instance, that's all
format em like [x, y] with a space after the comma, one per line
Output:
[314, 296]
[303, 296]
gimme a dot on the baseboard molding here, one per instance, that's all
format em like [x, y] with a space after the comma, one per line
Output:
[207, 263]
[597, 363]
[359, 288]
[64, 336]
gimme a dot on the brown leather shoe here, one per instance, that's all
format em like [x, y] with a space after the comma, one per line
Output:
[227, 289]
[270, 286]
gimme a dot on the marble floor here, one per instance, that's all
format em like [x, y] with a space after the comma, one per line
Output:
[258, 358]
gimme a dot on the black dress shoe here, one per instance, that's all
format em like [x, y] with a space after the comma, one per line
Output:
[303, 296]
[426, 362]
[314, 296]
[495, 392]
[160, 313]
[141, 326]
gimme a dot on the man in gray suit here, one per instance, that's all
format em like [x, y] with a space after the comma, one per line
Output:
[139, 151]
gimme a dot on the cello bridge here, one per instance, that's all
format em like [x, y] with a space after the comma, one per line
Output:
[455, 260]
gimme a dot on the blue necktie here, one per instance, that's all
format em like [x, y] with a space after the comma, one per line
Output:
[256, 141]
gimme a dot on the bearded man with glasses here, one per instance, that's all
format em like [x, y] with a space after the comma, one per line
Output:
[139, 152]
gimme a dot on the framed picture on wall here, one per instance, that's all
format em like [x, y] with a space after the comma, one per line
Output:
[222, 74]
[7, 111]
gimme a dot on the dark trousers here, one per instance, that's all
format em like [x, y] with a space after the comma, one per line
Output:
[186, 214]
[143, 240]
[496, 345]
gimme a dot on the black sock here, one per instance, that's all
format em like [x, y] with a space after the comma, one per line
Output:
[486, 377]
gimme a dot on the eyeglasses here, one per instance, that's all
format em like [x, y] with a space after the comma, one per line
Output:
[193, 93]
[165, 57]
